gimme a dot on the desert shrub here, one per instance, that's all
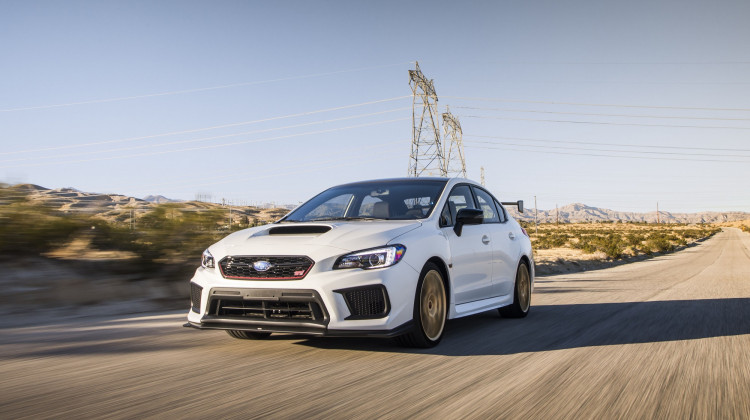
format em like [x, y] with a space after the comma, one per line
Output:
[27, 228]
[692, 234]
[611, 245]
[658, 243]
[634, 239]
[588, 248]
[550, 240]
[585, 243]
[169, 231]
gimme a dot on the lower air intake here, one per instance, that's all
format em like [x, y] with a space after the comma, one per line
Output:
[267, 310]
[367, 302]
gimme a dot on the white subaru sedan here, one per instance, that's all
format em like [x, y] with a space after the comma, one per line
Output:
[388, 258]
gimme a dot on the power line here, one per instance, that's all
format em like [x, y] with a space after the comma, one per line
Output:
[608, 144]
[120, 149]
[605, 123]
[310, 160]
[603, 155]
[215, 145]
[595, 104]
[610, 150]
[129, 139]
[602, 115]
[178, 92]
[618, 63]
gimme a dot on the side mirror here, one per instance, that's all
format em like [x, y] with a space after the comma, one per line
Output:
[467, 217]
[518, 203]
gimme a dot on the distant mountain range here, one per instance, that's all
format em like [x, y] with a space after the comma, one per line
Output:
[118, 207]
[73, 199]
[159, 199]
[578, 212]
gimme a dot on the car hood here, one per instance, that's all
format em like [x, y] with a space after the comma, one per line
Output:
[316, 240]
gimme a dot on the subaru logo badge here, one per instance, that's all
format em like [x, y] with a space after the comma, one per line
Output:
[262, 265]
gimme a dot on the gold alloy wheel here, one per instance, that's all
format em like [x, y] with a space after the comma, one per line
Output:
[523, 283]
[432, 305]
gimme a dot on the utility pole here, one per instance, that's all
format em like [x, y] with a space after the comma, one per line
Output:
[482, 175]
[657, 213]
[426, 149]
[536, 219]
[453, 146]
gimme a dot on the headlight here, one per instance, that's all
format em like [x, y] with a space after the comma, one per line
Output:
[207, 260]
[372, 258]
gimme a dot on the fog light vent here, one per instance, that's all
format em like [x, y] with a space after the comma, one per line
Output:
[195, 297]
[366, 302]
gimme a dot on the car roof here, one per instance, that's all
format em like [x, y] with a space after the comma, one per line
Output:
[410, 179]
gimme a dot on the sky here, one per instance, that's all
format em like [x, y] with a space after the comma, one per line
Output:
[614, 104]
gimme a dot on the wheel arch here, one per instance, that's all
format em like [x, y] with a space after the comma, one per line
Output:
[527, 260]
[446, 277]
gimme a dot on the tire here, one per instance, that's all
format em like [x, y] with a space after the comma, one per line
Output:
[248, 335]
[521, 295]
[430, 310]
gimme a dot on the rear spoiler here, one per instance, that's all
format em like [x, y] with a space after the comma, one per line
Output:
[518, 203]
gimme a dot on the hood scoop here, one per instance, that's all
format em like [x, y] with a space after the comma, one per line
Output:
[299, 230]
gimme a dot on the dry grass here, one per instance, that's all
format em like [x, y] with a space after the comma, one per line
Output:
[572, 247]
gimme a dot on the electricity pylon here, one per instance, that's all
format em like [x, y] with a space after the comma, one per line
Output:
[426, 149]
[455, 164]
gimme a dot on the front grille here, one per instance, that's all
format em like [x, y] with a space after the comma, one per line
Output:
[195, 297]
[281, 267]
[366, 302]
[267, 310]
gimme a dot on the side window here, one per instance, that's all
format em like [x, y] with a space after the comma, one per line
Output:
[487, 205]
[445, 217]
[459, 198]
[501, 212]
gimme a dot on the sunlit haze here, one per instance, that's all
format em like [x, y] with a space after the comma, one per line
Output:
[617, 105]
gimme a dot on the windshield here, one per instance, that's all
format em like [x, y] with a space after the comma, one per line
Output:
[387, 200]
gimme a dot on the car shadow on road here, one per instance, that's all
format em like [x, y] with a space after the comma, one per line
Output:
[560, 327]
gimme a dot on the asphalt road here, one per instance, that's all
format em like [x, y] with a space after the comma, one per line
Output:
[663, 338]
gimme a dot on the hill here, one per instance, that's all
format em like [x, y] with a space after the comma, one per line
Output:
[578, 212]
[159, 199]
[113, 206]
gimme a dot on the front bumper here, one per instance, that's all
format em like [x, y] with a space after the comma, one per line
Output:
[320, 304]
[301, 328]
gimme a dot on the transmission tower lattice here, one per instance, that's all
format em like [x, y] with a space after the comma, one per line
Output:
[426, 149]
[455, 164]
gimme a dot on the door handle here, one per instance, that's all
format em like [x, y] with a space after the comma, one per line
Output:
[511, 236]
[485, 239]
